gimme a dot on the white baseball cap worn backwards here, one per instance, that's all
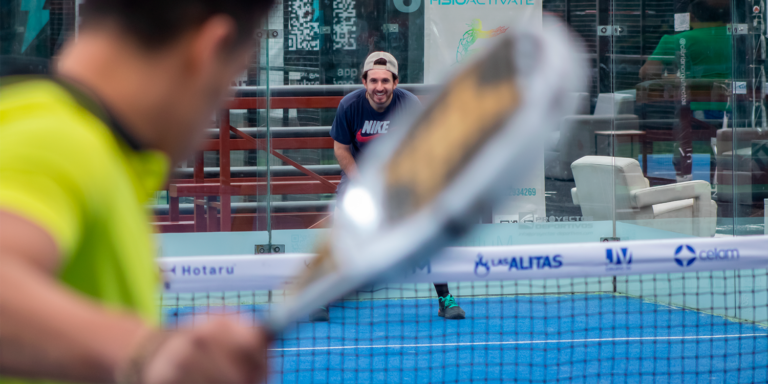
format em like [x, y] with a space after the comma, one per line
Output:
[391, 62]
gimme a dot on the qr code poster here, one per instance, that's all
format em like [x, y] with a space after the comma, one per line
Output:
[303, 31]
[344, 24]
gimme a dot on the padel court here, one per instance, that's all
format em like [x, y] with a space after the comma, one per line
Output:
[564, 338]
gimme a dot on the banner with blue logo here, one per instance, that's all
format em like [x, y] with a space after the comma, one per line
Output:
[467, 264]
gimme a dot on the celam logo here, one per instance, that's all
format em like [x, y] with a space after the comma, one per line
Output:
[619, 258]
[686, 255]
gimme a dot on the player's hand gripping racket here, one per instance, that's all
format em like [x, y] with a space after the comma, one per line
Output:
[423, 184]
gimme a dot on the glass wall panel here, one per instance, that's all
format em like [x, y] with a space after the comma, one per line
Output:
[324, 46]
[682, 121]
[315, 61]
[668, 140]
[745, 153]
[27, 43]
[690, 74]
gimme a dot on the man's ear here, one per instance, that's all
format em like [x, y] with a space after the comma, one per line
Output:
[396, 82]
[212, 41]
[365, 82]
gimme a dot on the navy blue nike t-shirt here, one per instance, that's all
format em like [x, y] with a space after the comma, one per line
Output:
[357, 123]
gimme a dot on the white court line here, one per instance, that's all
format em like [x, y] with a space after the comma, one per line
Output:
[519, 342]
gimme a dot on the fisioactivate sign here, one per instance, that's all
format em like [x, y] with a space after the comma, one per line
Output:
[454, 30]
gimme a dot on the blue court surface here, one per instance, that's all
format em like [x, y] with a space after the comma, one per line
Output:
[662, 166]
[579, 338]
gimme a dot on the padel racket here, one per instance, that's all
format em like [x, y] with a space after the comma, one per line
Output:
[424, 184]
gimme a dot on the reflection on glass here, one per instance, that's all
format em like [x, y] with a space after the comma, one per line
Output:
[675, 91]
[697, 62]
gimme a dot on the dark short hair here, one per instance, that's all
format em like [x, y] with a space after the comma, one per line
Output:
[379, 61]
[156, 23]
[708, 11]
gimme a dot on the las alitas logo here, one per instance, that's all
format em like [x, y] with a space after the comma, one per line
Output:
[483, 266]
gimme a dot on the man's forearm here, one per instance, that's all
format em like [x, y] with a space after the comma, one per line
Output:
[349, 167]
[651, 70]
[346, 161]
[50, 332]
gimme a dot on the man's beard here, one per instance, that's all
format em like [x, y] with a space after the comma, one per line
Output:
[372, 97]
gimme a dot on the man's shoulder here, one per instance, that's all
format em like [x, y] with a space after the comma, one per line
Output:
[697, 34]
[711, 35]
[405, 93]
[352, 98]
[43, 113]
[406, 100]
[406, 96]
[24, 92]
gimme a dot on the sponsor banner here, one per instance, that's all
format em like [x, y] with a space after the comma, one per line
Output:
[526, 204]
[466, 264]
[454, 30]
[230, 273]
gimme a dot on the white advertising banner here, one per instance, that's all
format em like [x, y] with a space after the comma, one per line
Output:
[453, 31]
[525, 202]
[467, 264]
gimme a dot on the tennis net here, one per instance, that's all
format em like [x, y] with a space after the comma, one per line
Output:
[670, 311]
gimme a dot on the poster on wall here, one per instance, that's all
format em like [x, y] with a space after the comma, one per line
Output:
[453, 31]
[330, 39]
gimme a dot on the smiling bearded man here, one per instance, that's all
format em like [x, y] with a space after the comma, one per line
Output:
[362, 116]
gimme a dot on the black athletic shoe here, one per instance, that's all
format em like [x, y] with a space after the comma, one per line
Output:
[449, 309]
[321, 314]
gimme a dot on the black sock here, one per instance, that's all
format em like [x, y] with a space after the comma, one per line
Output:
[442, 290]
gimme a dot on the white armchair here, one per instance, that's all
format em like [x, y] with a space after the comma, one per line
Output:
[576, 135]
[608, 187]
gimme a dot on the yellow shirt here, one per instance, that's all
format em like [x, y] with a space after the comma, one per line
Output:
[68, 167]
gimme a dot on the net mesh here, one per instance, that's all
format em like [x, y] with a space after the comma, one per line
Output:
[663, 328]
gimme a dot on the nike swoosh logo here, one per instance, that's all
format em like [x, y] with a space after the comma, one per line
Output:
[365, 139]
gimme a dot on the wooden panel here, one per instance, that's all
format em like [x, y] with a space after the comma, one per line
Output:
[249, 189]
[286, 102]
[282, 143]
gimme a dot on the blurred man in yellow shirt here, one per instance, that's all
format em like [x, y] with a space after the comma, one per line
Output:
[80, 153]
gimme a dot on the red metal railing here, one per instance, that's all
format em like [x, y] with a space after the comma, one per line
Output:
[212, 196]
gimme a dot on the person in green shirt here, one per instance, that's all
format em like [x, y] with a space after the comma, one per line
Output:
[706, 47]
[701, 53]
[80, 154]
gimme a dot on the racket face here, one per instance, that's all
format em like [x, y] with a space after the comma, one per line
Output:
[422, 184]
[472, 108]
